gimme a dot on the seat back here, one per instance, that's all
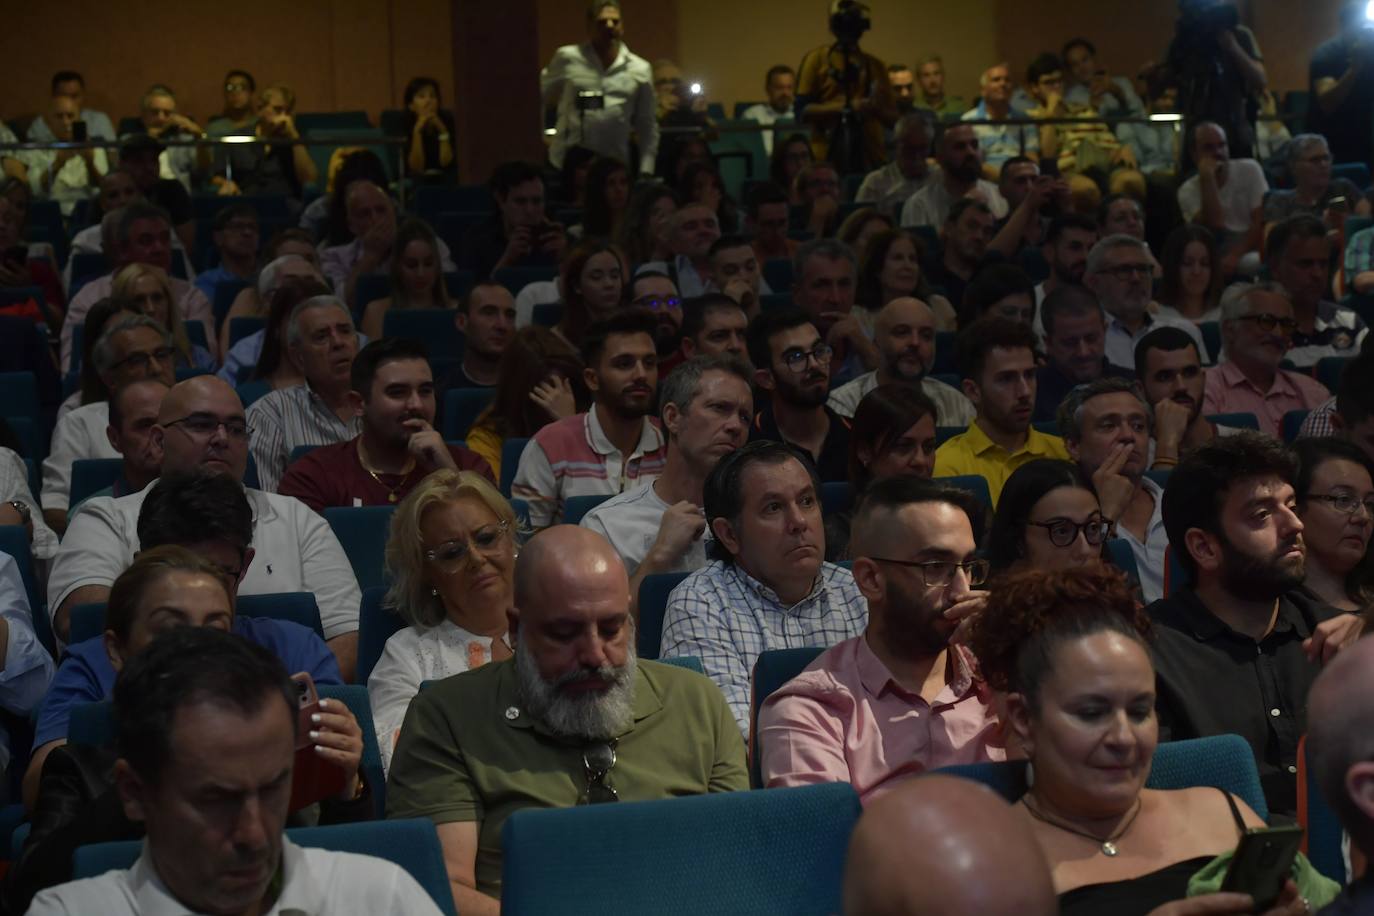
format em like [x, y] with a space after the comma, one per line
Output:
[249, 392]
[240, 328]
[575, 507]
[462, 406]
[721, 853]
[88, 620]
[14, 540]
[511, 449]
[1329, 369]
[1176, 575]
[1324, 838]
[1292, 424]
[774, 668]
[376, 624]
[355, 697]
[517, 278]
[362, 531]
[1123, 557]
[836, 496]
[653, 605]
[90, 475]
[975, 484]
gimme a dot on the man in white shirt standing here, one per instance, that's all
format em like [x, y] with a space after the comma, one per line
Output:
[706, 408]
[205, 729]
[603, 92]
[781, 86]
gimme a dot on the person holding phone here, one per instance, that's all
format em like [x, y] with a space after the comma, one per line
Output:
[1068, 652]
[65, 175]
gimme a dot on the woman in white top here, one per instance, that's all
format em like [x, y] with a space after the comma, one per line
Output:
[451, 559]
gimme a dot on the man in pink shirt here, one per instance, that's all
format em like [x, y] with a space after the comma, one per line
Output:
[1257, 327]
[905, 696]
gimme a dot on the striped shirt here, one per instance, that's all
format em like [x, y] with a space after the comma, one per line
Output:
[286, 419]
[1318, 422]
[14, 485]
[573, 457]
[726, 618]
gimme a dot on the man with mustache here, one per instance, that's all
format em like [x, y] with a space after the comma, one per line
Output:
[1170, 374]
[1075, 340]
[613, 447]
[904, 332]
[961, 169]
[547, 728]
[1120, 270]
[1106, 428]
[322, 341]
[1237, 648]
[901, 698]
[767, 585]
[1257, 325]
[393, 396]
[1068, 240]
[997, 359]
[706, 409]
[792, 364]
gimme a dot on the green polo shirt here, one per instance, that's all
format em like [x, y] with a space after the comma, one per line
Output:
[469, 752]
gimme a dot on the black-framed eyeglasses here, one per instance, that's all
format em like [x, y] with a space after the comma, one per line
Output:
[658, 303]
[940, 573]
[1063, 531]
[1268, 322]
[141, 361]
[1346, 503]
[598, 760]
[796, 359]
[202, 427]
[1127, 271]
[486, 540]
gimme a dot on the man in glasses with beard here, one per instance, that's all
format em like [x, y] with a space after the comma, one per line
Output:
[900, 698]
[792, 366]
[574, 718]
[1238, 647]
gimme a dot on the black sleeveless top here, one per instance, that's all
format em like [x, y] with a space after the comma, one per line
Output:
[1138, 896]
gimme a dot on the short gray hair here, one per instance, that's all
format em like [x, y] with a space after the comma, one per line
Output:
[267, 277]
[102, 354]
[683, 384]
[293, 323]
[1235, 301]
[1098, 254]
[1070, 413]
[1299, 145]
[131, 213]
[833, 249]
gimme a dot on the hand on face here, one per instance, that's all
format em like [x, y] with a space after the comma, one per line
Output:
[1114, 489]
[427, 445]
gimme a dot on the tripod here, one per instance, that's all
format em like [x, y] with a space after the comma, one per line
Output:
[846, 140]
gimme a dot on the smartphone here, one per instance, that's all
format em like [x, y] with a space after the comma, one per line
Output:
[313, 778]
[1262, 863]
[1049, 167]
[79, 131]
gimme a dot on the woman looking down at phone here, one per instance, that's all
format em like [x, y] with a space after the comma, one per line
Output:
[1069, 650]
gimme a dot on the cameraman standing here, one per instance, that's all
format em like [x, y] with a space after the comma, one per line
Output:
[1342, 83]
[602, 91]
[845, 95]
[1220, 73]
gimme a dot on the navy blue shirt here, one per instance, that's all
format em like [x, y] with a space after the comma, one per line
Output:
[1349, 130]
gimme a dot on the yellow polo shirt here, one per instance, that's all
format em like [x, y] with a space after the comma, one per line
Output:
[972, 452]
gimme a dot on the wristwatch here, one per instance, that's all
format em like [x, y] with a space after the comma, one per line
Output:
[25, 513]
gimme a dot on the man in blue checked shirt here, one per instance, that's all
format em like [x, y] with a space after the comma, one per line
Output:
[767, 585]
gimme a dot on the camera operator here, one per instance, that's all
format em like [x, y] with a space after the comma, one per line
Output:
[603, 91]
[845, 95]
[1342, 81]
[1220, 73]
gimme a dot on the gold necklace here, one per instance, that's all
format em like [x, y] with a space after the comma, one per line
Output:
[393, 493]
[1108, 846]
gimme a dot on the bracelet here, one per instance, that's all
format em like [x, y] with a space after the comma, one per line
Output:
[1167, 462]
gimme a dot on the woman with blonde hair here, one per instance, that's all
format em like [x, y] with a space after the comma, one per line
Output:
[451, 560]
[145, 288]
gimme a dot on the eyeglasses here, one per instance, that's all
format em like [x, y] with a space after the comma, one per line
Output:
[235, 87]
[141, 361]
[1063, 531]
[796, 359]
[451, 555]
[940, 573]
[598, 761]
[1268, 322]
[1128, 271]
[658, 303]
[203, 427]
[1346, 503]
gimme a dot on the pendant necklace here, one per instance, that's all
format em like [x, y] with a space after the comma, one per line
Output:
[1108, 846]
[393, 493]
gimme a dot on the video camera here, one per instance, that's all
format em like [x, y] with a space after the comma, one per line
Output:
[848, 21]
[1207, 17]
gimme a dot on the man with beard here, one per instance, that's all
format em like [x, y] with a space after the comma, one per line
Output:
[1256, 330]
[1120, 271]
[322, 341]
[1237, 649]
[824, 279]
[392, 391]
[486, 319]
[546, 728]
[1106, 428]
[706, 408]
[964, 239]
[714, 325]
[997, 359]
[1298, 255]
[654, 292]
[1170, 374]
[613, 447]
[792, 364]
[1075, 337]
[961, 168]
[904, 332]
[900, 699]
[767, 585]
[735, 272]
[780, 83]
[1067, 242]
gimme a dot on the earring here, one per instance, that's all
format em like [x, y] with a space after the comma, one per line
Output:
[515, 554]
[434, 592]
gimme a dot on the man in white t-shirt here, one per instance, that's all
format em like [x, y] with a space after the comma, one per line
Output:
[961, 168]
[706, 411]
[781, 86]
[1227, 196]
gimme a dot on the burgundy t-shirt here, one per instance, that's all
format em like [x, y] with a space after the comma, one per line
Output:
[332, 475]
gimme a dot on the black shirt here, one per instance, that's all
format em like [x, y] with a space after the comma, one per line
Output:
[1052, 386]
[484, 244]
[1349, 130]
[833, 461]
[171, 195]
[1212, 680]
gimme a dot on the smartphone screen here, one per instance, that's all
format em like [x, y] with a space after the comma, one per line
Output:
[79, 131]
[1262, 863]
